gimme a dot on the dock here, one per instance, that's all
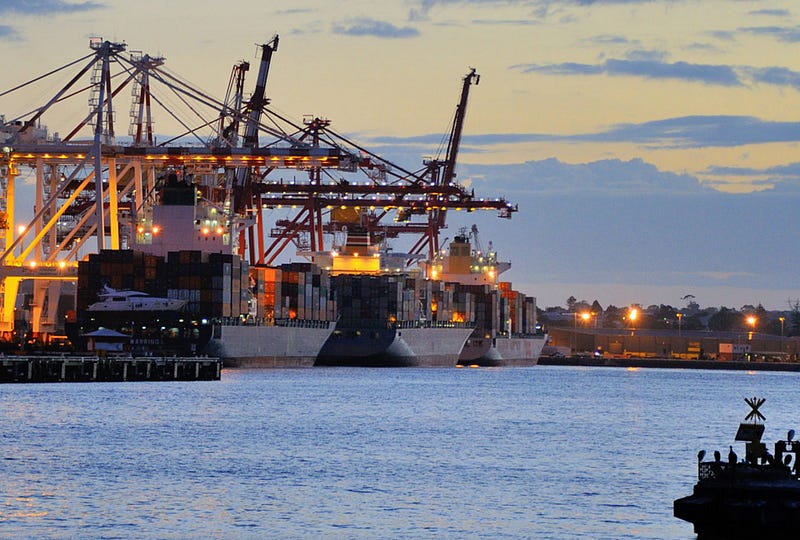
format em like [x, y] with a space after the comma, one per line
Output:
[667, 363]
[42, 369]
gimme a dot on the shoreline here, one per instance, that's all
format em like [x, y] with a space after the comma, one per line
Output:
[668, 363]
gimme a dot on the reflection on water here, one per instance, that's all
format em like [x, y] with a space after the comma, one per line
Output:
[543, 452]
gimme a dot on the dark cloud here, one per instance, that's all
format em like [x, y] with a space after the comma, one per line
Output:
[636, 224]
[681, 132]
[505, 22]
[649, 69]
[609, 39]
[46, 7]
[790, 171]
[777, 76]
[781, 33]
[771, 12]
[371, 27]
[700, 131]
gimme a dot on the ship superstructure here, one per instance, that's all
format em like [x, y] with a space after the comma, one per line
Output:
[506, 330]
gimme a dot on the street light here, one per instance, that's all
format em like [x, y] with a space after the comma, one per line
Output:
[680, 318]
[751, 320]
[782, 319]
[633, 314]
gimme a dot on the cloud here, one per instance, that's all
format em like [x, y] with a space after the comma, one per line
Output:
[781, 33]
[649, 64]
[700, 131]
[678, 132]
[47, 7]
[649, 69]
[8, 33]
[780, 179]
[782, 13]
[610, 39]
[364, 26]
[628, 222]
[777, 76]
[550, 176]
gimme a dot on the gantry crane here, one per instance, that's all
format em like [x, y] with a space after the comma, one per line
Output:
[93, 192]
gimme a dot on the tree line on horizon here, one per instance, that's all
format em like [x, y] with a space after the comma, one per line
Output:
[666, 317]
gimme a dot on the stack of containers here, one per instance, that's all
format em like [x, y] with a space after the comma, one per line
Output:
[293, 291]
[210, 283]
[119, 269]
[367, 300]
[482, 307]
[518, 307]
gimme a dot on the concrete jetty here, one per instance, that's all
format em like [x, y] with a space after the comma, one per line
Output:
[666, 363]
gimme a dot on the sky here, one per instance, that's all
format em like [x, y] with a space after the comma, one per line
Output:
[651, 145]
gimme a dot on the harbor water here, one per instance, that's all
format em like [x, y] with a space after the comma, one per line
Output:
[544, 452]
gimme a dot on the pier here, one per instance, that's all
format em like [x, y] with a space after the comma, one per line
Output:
[40, 369]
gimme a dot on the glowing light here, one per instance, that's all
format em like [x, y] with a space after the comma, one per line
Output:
[219, 230]
[140, 229]
[156, 229]
[205, 231]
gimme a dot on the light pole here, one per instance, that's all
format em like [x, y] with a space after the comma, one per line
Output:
[574, 332]
[633, 314]
[680, 318]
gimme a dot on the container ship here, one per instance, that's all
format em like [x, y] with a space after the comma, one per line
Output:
[214, 303]
[388, 316]
[192, 269]
[506, 332]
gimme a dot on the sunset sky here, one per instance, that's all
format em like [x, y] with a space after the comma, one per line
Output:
[703, 90]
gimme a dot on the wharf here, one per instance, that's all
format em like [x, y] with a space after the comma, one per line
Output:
[666, 363]
[39, 369]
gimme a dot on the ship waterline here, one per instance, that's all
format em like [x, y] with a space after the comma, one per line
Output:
[402, 346]
[284, 345]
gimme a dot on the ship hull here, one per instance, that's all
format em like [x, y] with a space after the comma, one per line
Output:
[390, 347]
[503, 351]
[268, 346]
